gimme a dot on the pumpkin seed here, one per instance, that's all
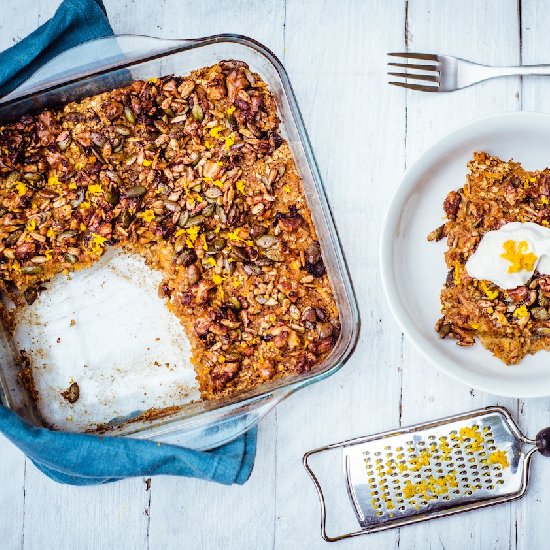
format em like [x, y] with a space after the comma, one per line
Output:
[31, 270]
[126, 219]
[118, 144]
[71, 258]
[98, 155]
[194, 220]
[250, 76]
[30, 176]
[209, 210]
[545, 331]
[218, 244]
[197, 112]
[136, 191]
[129, 114]
[182, 220]
[235, 303]
[111, 198]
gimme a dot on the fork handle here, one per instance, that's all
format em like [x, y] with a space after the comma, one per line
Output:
[521, 70]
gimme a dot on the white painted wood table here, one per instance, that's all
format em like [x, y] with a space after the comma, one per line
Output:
[364, 134]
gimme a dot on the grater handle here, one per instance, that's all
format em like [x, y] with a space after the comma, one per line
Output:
[322, 500]
[543, 442]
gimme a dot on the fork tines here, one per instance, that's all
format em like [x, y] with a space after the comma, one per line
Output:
[423, 72]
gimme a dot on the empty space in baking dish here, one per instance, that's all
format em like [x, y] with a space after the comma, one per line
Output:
[106, 329]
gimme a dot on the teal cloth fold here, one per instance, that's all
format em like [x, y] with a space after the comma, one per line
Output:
[74, 22]
[83, 459]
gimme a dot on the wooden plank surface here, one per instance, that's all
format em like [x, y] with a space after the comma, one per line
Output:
[364, 135]
[535, 413]
[428, 393]
[351, 125]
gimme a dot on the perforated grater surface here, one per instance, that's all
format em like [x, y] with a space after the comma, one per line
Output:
[432, 470]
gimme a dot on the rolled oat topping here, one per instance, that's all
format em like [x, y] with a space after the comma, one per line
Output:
[192, 174]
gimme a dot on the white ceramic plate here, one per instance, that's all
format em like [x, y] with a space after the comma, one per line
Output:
[413, 269]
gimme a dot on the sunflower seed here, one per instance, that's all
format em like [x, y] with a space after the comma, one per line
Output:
[75, 203]
[68, 234]
[129, 114]
[266, 241]
[213, 193]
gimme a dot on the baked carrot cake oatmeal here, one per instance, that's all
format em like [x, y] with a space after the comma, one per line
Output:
[498, 283]
[191, 174]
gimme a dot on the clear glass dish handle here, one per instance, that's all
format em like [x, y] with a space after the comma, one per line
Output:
[94, 57]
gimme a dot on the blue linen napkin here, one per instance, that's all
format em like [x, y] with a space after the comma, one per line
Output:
[83, 459]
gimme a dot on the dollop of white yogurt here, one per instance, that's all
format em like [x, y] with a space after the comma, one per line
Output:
[509, 265]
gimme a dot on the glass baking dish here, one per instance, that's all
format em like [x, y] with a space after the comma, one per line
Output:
[102, 65]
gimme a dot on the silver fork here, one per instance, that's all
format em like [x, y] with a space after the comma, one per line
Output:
[445, 73]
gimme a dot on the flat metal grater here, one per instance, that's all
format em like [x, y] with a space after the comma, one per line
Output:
[432, 470]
